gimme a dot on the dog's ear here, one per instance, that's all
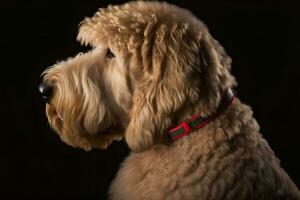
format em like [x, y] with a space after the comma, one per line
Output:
[180, 68]
[165, 81]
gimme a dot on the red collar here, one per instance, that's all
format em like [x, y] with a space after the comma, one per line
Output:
[198, 121]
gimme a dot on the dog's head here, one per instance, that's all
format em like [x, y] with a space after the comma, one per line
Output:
[152, 64]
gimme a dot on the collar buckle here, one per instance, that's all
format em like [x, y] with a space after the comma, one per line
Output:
[186, 127]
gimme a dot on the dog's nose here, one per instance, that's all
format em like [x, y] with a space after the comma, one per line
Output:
[45, 91]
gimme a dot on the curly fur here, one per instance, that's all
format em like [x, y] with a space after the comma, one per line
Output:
[167, 68]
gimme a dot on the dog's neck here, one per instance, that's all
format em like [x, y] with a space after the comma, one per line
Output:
[198, 121]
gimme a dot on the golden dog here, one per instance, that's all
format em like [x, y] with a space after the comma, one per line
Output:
[156, 77]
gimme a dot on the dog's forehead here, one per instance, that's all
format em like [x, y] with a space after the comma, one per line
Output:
[119, 22]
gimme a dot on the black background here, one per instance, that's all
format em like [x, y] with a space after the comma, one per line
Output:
[262, 37]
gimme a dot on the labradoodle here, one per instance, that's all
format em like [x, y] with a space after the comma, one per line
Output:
[156, 77]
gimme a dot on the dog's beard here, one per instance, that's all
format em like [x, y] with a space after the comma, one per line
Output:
[79, 116]
[74, 134]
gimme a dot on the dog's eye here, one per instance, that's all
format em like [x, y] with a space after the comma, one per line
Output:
[109, 54]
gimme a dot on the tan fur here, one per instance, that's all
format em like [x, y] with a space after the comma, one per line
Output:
[167, 68]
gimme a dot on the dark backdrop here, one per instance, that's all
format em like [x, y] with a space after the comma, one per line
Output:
[262, 37]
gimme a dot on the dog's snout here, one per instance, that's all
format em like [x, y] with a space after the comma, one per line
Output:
[45, 91]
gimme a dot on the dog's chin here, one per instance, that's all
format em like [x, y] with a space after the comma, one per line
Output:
[84, 140]
[104, 139]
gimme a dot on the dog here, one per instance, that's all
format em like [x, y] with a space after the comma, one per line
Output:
[157, 78]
